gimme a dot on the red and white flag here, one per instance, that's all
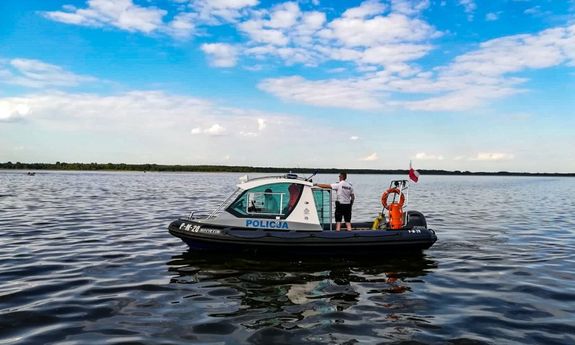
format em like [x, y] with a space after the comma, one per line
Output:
[413, 174]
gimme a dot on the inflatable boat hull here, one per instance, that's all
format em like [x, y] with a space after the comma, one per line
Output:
[362, 241]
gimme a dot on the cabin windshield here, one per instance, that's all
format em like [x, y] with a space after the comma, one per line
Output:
[267, 201]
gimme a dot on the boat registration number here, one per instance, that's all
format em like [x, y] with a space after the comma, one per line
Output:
[199, 229]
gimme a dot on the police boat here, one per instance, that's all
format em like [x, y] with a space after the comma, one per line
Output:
[289, 214]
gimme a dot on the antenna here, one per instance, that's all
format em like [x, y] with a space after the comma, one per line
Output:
[312, 175]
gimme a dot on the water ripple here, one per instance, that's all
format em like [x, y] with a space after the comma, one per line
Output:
[85, 258]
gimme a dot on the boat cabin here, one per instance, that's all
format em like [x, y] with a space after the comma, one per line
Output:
[285, 202]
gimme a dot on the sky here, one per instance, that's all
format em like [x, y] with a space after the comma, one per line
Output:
[471, 85]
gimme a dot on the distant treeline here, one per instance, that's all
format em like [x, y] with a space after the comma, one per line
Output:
[244, 169]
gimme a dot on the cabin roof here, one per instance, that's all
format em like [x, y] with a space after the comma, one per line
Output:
[260, 181]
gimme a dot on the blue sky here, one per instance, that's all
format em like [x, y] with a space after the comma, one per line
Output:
[449, 84]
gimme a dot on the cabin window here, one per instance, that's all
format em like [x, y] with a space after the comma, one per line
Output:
[267, 201]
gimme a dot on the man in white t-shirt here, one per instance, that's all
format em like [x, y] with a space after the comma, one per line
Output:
[343, 201]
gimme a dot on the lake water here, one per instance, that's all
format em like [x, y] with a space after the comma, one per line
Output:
[86, 258]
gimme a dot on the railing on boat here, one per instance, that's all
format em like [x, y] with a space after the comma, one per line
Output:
[217, 210]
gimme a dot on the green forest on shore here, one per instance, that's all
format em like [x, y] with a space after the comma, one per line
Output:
[244, 169]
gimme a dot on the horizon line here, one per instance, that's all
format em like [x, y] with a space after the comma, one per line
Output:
[93, 166]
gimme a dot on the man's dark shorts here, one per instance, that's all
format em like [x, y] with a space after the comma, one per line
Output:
[342, 211]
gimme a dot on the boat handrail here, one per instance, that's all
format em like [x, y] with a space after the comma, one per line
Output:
[403, 186]
[221, 206]
[280, 177]
[198, 214]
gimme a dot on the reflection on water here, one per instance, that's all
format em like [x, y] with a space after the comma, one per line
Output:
[288, 298]
[85, 258]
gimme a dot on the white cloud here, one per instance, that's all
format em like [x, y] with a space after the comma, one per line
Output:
[13, 111]
[220, 11]
[214, 130]
[469, 97]
[160, 124]
[248, 134]
[482, 156]
[383, 40]
[514, 53]
[354, 137]
[363, 35]
[274, 26]
[258, 33]
[284, 15]
[365, 9]
[471, 80]
[182, 26]
[137, 109]
[261, 124]
[371, 33]
[535, 10]
[329, 93]
[372, 157]
[493, 156]
[310, 23]
[469, 7]
[426, 156]
[360, 32]
[141, 111]
[221, 54]
[288, 54]
[123, 14]
[394, 54]
[492, 16]
[126, 15]
[484, 74]
[38, 74]
[231, 4]
[487, 156]
[409, 7]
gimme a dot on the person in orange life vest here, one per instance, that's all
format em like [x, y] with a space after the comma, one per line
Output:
[294, 194]
[343, 202]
